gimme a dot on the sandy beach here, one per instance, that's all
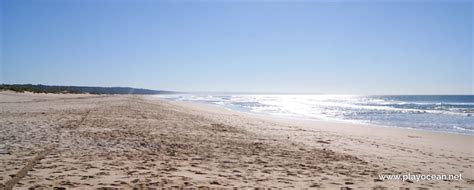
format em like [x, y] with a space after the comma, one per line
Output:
[126, 142]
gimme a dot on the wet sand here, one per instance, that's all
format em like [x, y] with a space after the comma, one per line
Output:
[92, 141]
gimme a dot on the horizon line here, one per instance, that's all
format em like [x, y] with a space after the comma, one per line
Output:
[248, 92]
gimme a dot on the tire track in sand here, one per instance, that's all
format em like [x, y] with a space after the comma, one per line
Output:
[30, 164]
[39, 156]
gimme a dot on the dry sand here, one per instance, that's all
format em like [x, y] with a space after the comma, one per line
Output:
[91, 141]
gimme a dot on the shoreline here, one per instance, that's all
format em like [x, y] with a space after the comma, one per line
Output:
[330, 120]
[140, 141]
[347, 127]
[305, 120]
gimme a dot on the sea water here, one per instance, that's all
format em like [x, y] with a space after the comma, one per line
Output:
[444, 113]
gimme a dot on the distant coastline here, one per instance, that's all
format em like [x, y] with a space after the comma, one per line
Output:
[39, 88]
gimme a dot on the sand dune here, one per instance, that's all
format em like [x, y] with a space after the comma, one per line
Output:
[91, 141]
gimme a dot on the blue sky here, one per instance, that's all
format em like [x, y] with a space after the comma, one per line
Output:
[344, 47]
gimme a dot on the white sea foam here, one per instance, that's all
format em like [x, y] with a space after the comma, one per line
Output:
[439, 113]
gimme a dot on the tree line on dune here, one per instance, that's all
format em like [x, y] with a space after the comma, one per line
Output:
[78, 89]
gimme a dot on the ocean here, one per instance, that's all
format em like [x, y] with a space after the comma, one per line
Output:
[442, 113]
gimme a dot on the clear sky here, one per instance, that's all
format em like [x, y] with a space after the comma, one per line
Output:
[348, 47]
